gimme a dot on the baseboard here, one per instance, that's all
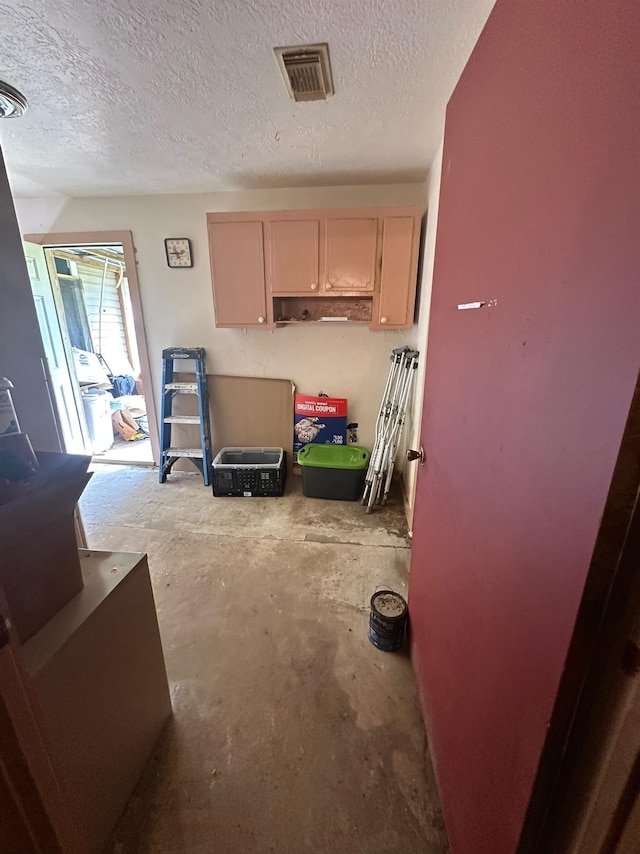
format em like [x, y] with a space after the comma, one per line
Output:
[408, 510]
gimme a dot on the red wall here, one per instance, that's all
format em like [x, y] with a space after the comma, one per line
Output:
[526, 398]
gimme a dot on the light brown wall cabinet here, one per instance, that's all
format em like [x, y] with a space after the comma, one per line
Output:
[350, 251]
[293, 250]
[277, 267]
[237, 266]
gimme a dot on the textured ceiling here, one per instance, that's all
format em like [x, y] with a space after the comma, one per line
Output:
[150, 96]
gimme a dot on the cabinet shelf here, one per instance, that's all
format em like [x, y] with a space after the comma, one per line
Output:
[327, 322]
[321, 309]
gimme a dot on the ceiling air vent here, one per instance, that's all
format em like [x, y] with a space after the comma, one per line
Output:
[306, 70]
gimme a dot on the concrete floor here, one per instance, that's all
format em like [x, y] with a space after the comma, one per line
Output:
[291, 733]
[133, 453]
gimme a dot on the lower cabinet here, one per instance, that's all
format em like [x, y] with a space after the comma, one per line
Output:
[97, 672]
[272, 268]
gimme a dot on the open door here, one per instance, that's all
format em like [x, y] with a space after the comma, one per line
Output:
[118, 309]
[62, 386]
[531, 367]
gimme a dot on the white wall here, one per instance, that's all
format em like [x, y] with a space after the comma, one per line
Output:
[345, 361]
[419, 332]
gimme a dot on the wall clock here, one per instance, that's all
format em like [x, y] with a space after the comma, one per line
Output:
[178, 251]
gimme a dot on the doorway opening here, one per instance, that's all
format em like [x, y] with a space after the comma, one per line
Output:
[94, 354]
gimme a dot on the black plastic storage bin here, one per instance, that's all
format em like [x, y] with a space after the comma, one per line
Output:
[249, 472]
[333, 471]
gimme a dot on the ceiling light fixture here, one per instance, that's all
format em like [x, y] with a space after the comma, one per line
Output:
[13, 104]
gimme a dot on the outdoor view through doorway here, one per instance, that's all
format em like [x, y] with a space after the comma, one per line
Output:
[85, 313]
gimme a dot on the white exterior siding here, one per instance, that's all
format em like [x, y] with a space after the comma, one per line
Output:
[108, 337]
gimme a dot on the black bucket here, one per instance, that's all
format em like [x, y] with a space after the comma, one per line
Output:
[387, 620]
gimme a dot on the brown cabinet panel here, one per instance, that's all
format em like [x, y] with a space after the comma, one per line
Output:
[350, 254]
[395, 305]
[237, 269]
[293, 253]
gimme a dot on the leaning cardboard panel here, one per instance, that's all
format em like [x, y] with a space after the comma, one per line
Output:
[245, 412]
[40, 568]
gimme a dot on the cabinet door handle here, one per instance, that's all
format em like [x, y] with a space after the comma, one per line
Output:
[383, 320]
[261, 319]
[329, 286]
[314, 287]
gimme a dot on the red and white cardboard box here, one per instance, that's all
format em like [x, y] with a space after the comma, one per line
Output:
[322, 420]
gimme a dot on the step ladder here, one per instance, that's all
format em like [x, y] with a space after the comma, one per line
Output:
[201, 457]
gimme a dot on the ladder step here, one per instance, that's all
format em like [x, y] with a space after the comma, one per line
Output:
[196, 353]
[183, 452]
[182, 419]
[182, 387]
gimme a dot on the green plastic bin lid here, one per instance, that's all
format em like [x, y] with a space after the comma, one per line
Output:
[334, 456]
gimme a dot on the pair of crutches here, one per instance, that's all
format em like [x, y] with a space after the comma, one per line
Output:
[389, 426]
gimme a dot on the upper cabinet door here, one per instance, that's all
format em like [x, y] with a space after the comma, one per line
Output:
[237, 269]
[350, 255]
[396, 300]
[293, 253]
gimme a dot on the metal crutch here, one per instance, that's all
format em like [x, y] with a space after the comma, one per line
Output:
[386, 411]
[412, 366]
[391, 429]
[380, 450]
[383, 415]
